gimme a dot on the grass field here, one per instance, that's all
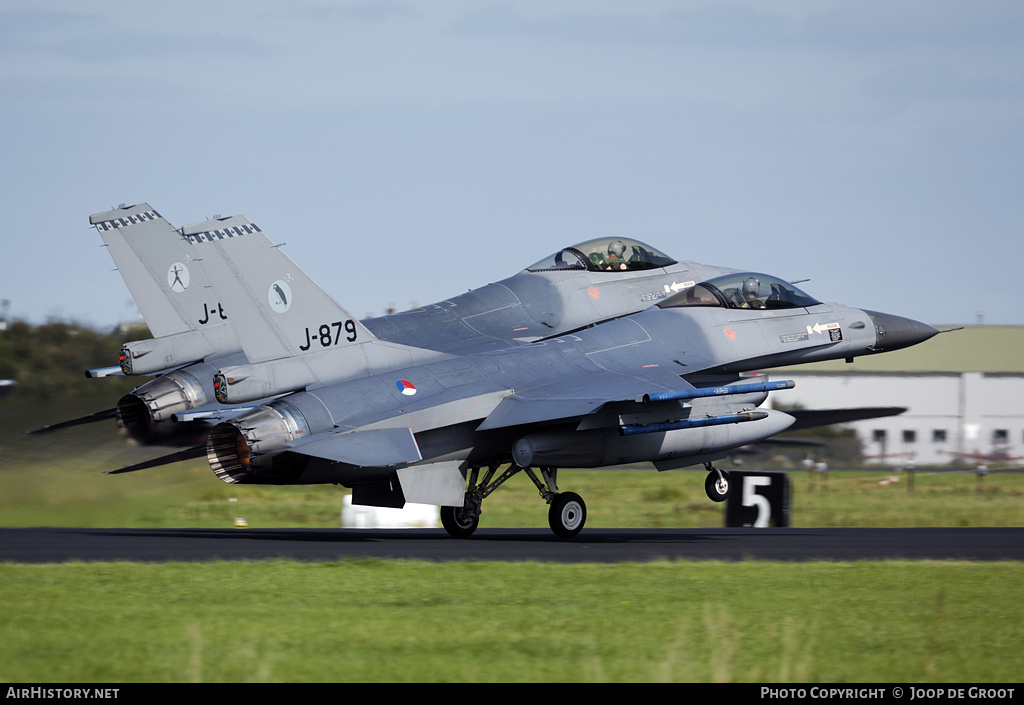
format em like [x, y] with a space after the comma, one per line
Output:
[394, 621]
[391, 621]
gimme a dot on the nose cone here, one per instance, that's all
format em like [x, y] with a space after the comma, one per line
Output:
[895, 332]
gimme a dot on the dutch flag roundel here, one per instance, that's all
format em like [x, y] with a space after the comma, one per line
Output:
[405, 387]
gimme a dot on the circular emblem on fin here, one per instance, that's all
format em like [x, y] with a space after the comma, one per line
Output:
[177, 277]
[279, 296]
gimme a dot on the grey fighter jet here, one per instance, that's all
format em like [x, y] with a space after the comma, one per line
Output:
[576, 287]
[663, 385]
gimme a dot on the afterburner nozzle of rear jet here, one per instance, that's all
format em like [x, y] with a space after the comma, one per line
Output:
[896, 332]
[154, 402]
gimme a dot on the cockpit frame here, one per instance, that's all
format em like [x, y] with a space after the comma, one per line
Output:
[608, 254]
[742, 290]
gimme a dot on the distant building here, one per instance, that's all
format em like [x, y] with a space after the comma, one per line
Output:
[962, 391]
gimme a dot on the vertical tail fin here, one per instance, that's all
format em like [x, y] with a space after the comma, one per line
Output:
[277, 311]
[170, 288]
[153, 260]
[292, 332]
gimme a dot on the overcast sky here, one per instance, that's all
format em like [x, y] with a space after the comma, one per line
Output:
[409, 151]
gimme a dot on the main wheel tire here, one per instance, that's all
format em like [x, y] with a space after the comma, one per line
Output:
[567, 515]
[458, 522]
[718, 488]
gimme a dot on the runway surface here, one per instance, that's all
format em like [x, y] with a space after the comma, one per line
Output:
[42, 545]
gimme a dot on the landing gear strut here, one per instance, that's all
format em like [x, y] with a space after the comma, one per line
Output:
[566, 515]
[717, 484]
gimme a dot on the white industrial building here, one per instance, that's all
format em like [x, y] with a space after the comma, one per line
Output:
[962, 391]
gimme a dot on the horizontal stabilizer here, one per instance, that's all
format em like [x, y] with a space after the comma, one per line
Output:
[187, 454]
[218, 414]
[791, 442]
[809, 418]
[385, 447]
[114, 371]
[91, 418]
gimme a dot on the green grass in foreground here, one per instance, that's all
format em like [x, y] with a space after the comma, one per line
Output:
[371, 620]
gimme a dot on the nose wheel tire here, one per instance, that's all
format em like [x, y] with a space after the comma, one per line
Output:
[459, 522]
[567, 514]
[717, 486]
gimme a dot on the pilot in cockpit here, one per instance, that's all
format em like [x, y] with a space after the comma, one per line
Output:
[751, 291]
[616, 258]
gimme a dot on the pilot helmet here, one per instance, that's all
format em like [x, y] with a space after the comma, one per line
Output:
[751, 287]
[617, 249]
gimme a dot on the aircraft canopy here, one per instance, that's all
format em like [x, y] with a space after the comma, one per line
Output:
[607, 254]
[741, 290]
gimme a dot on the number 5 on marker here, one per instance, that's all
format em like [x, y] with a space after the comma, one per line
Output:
[752, 499]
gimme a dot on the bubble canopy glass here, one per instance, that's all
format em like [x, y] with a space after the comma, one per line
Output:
[608, 254]
[742, 290]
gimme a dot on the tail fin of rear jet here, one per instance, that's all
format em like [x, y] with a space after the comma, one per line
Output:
[155, 263]
[171, 289]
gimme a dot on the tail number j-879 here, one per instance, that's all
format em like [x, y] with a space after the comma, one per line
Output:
[329, 334]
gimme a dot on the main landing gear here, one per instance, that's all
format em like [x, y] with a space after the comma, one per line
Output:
[567, 512]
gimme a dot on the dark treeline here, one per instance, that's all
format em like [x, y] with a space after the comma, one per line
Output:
[49, 361]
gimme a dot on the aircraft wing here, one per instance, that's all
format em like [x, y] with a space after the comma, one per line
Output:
[517, 410]
[576, 396]
[565, 401]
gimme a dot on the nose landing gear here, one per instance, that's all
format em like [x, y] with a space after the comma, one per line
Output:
[717, 484]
